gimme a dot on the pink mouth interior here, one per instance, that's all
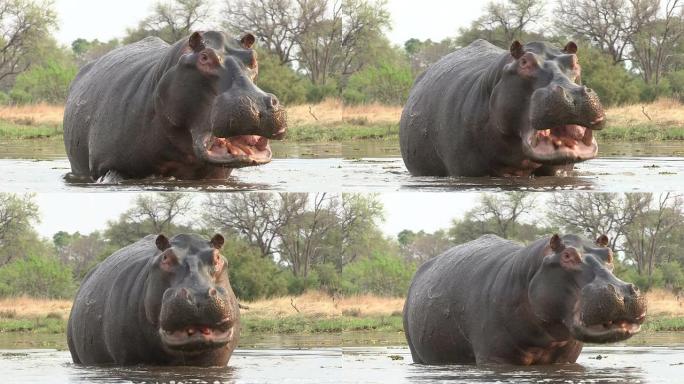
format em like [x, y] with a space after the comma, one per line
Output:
[568, 136]
[255, 147]
[197, 333]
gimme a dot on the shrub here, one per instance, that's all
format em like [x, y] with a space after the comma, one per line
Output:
[385, 83]
[36, 276]
[383, 275]
[252, 276]
[46, 83]
[280, 80]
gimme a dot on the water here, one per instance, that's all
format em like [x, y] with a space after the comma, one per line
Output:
[364, 166]
[310, 359]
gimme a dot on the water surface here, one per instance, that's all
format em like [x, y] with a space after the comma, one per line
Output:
[362, 166]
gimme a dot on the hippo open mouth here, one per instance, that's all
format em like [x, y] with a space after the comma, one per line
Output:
[197, 338]
[559, 145]
[607, 331]
[236, 151]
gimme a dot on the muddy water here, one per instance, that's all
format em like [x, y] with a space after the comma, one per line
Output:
[364, 166]
[310, 359]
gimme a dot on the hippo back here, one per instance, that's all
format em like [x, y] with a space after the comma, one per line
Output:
[108, 100]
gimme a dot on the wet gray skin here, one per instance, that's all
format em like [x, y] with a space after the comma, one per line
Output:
[190, 111]
[495, 301]
[157, 301]
[483, 111]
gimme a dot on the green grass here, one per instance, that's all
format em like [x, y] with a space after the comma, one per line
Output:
[37, 325]
[664, 324]
[343, 132]
[12, 130]
[639, 133]
[302, 324]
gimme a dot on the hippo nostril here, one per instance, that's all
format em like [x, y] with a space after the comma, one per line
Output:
[271, 102]
[633, 289]
[212, 292]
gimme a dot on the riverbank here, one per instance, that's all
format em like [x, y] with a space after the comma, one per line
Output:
[311, 313]
[332, 121]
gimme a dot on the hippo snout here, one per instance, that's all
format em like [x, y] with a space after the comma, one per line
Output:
[560, 105]
[611, 303]
[183, 307]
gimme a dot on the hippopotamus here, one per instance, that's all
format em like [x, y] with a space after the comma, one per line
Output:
[190, 110]
[484, 111]
[158, 301]
[494, 301]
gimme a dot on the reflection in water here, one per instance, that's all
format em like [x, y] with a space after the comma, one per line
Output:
[647, 174]
[612, 364]
[365, 166]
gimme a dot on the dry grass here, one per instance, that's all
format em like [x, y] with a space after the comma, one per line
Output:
[666, 112]
[26, 307]
[662, 112]
[334, 111]
[661, 302]
[32, 114]
[313, 304]
[319, 304]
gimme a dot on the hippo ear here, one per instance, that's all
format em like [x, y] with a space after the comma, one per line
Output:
[217, 241]
[570, 48]
[556, 243]
[603, 241]
[517, 50]
[162, 243]
[247, 40]
[196, 42]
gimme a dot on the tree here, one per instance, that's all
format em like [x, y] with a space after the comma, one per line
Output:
[17, 216]
[172, 20]
[150, 214]
[608, 24]
[422, 54]
[420, 246]
[657, 40]
[326, 38]
[649, 231]
[23, 25]
[504, 210]
[598, 214]
[80, 252]
[504, 22]
[279, 24]
[300, 230]
[512, 17]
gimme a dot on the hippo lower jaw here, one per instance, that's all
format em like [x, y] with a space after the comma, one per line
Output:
[198, 338]
[560, 145]
[234, 152]
[606, 332]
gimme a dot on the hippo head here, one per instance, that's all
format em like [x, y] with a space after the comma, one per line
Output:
[576, 290]
[540, 100]
[211, 92]
[188, 296]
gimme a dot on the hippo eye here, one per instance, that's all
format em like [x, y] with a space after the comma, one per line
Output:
[523, 62]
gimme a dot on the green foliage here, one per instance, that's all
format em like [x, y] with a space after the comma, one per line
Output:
[45, 83]
[36, 276]
[252, 276]
[380, 274]
[612, 82]
[676, 81]
[386, 83]
[280, 80]
[318, 93]
[297, 285]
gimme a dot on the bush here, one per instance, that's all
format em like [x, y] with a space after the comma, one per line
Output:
[280, 80]
[383, 275]
[252, 276]
[612, 82]
[36, 276]
[298, 285]
[385, 83]
[318, 93]
[676, 80]
[46, 83]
